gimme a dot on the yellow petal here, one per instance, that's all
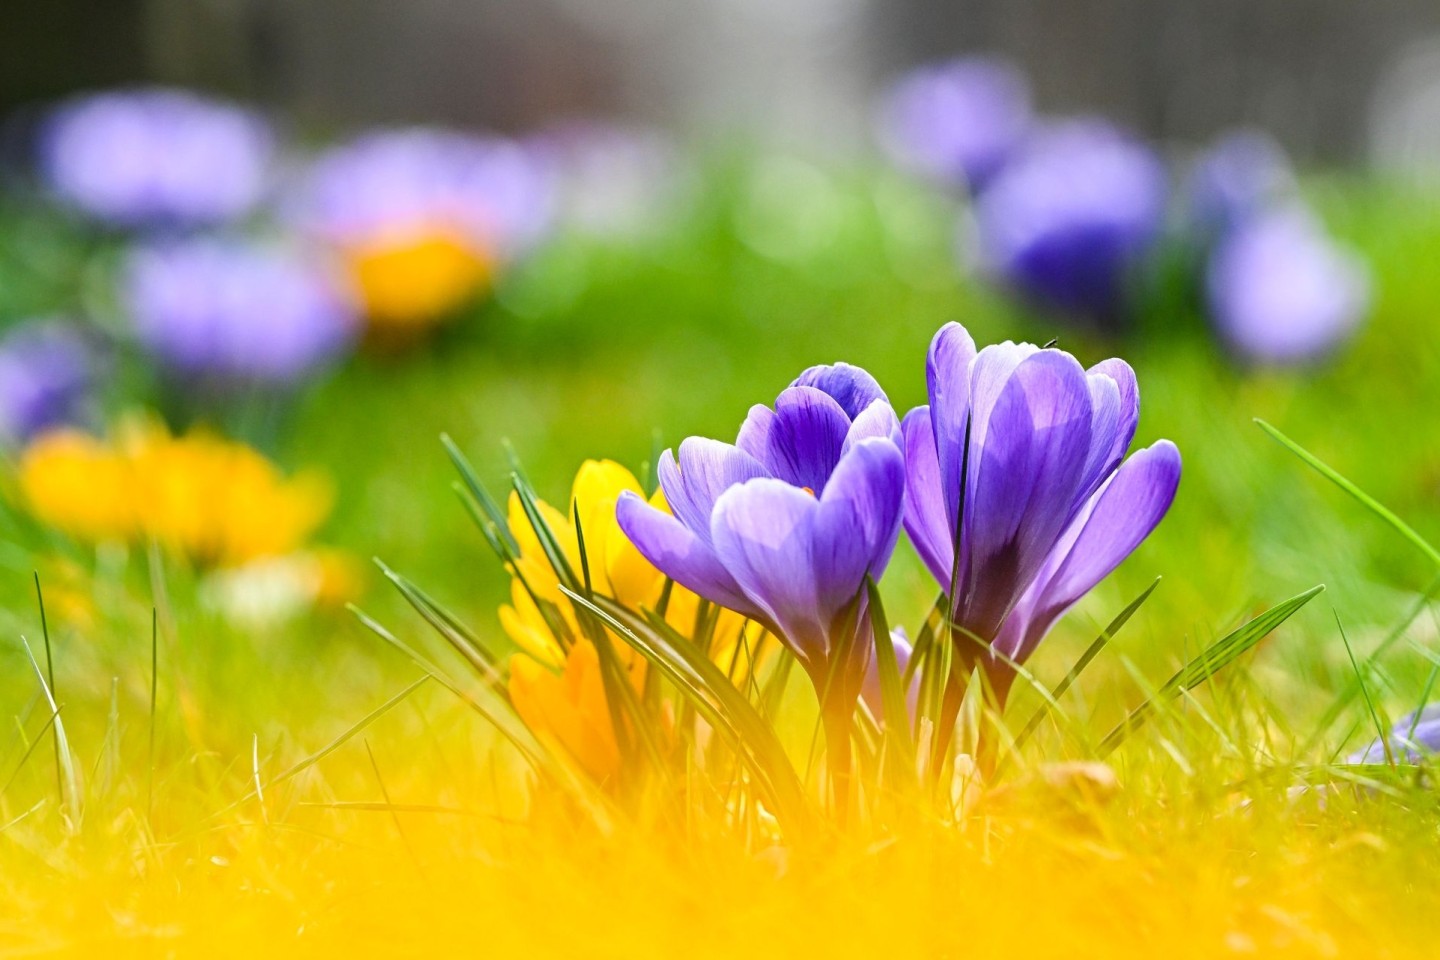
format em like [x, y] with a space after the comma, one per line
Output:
[524, 624]
[534, 563]
[569, 708]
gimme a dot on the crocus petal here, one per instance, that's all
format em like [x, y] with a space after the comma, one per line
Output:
[763, 532]
[990, 373]
[706, 469]
[754, 436]
[926, 519]
[1105, 424]
[858, 522]
[1026, 487]
[876, 420]
[1112, 525]
[948, 376]
[853, 388]
[679, 553]
[1129, 414]
[805, 439]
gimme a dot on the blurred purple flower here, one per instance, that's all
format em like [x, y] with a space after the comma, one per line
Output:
[1243, 175]
[1029, 446]
[1068, 221]
[236, 311]
[1415, 738]
[957, 121]
[1281, 291]
[48, 371]
[157, 157]
[785, 525]
[409, 182]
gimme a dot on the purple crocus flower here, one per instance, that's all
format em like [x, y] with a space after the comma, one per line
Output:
[1281, 291]
[957, 121]
[236, 311]
[157, 157]
[48, 371]
[1243, 175]
[785, 525]
[1018, 495]
[407, 182]
[1415, 738]
[1069, 220]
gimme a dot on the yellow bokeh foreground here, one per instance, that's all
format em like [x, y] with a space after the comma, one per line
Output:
[1126, 884]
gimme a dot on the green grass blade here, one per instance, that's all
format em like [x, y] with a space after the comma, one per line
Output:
[530, 503]
[50, 674]
[350, 733]
[465, 642]
[487, 528]
[1091, 652]
[1380, 730]
[1369, 502]
[154, 690]
[1211, 661]
[29, 750]
[504, 720]
[899, 745]
[487, 503]
[1342, 702]
[69, 783]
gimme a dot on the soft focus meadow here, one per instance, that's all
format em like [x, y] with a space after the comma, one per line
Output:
[362, 590]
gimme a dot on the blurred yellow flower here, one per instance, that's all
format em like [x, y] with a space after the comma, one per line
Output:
[80, 485]
[555, 682]
[412, 280]
[216, 502]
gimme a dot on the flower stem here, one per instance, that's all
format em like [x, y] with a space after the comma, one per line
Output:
[836, 714]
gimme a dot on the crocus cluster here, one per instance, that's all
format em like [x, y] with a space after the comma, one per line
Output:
[1012, 483]
[233, 312]
[424, 218]
[48, 372]
[157, 158]
[1278, 289]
